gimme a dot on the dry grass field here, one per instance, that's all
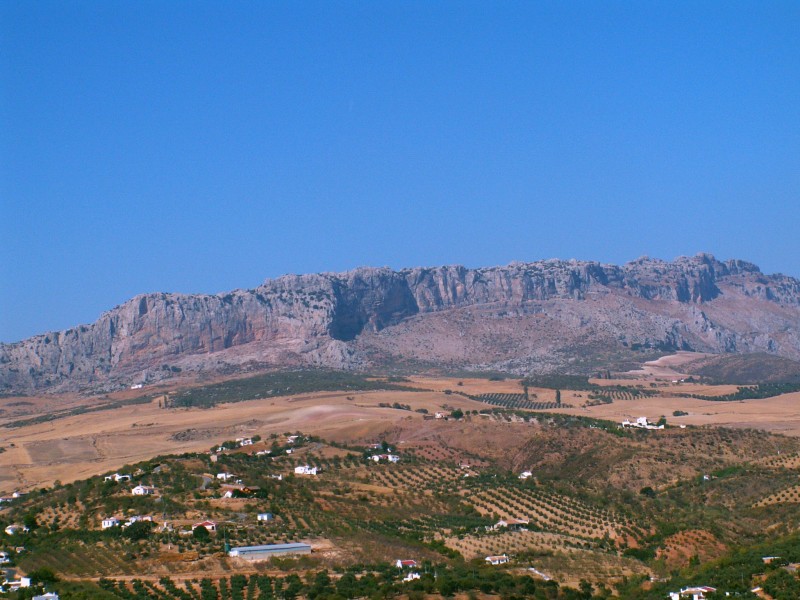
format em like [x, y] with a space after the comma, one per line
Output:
[780, 414]
[80, 446]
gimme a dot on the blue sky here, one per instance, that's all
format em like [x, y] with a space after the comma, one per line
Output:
[201, 147]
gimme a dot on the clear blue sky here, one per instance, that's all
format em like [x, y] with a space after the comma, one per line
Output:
[201, 147]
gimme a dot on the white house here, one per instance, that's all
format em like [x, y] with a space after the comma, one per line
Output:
[12, 529]
[405, 564]
[305, 470]
[265, 517]
[225, 476]
[512, 524]
[525, 475]
[110, 522]
[117, 477]
[692, 593]
[210, 525]
[14, 585]
[411, 576]
[497, 560]
[641, 423]
[143, 490]
[244, 441]
[392, 458]
[136, 519]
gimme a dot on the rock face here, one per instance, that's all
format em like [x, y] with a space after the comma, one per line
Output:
[524, 317]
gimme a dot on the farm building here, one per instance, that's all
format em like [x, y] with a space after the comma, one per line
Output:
[392, 458]
[117, 477]
[405, 564]
[641, 423]
[225, 476]
[497, 560]
[265, 517]
[267, 551]
[110, 522]
[12, 529]
[305, 470]
[692, 593]
[136, 519]
[525, 475]
[210, 525]
[511, 524]
[143, 490]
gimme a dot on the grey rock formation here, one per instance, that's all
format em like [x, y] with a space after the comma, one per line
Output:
[524, 317]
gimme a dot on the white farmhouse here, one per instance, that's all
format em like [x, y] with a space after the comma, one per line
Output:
[692, 593]
[143, 490]
[641, 423]
[305, 470]
[392, 458]
[110, 522]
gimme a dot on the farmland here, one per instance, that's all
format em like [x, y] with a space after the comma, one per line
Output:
[608, 506]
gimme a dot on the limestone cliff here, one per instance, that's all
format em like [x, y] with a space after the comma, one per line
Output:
[525, 316]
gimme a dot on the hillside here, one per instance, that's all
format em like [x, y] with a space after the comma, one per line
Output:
[602, 507]
[746, 369]
[524, 318]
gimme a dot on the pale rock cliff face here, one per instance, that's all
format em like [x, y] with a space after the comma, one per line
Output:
[523, 317]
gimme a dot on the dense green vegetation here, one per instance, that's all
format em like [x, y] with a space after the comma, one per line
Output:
[561, 382]
[514, 401]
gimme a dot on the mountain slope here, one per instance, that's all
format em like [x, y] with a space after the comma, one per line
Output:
[539, 316]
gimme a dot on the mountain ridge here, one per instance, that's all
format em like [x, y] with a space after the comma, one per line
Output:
[522, 317]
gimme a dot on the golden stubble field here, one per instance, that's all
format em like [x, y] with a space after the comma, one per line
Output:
[80, 446]
[780, 414]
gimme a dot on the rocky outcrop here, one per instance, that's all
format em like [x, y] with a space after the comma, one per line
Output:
[500, 317]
